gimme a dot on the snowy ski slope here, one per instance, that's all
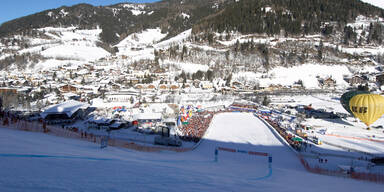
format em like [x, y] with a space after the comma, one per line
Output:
[38, 162]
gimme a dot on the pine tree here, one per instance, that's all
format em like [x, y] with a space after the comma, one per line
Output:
[228, 80]
[320, 51]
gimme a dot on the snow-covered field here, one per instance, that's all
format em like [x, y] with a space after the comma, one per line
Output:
[329, 102]
[307, 73]
[38, 162]
[186, 67]
[77, 52]
[145, 38]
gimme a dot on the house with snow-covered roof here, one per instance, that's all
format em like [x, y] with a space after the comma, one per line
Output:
[206, 85]
[69, 88]
[64, 112]
[357, 80]
[329, 83]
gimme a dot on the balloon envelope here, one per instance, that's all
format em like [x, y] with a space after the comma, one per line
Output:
[367, 107]
[347, 96]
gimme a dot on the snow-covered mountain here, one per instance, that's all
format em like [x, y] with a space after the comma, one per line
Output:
[191, 36]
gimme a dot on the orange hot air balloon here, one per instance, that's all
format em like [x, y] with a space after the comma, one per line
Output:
[367, 107]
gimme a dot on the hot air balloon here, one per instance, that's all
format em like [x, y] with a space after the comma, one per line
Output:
[347, 96]
[367, 107]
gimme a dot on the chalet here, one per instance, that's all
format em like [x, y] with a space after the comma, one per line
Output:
[139, 86]
[274, 87]
[297, 85]
[151, 87]
[206, 85]
[163, 87]
[5, 90]
[116, 86]
[174, 87]
[72, 68]
[357, 80]
[133, 80]
[68, 88]
[329, 83]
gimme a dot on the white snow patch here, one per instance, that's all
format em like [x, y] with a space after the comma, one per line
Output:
[178, 38]
[147, 37]
[83, 53]
[136, 9]
[63, 12]
[137, 12]
[50, 64]
[268, 9]
[187, 67]
[185, 16]
[307, 73]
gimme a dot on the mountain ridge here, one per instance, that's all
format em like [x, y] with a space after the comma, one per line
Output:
[213, 36]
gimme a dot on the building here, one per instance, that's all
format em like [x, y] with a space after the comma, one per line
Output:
[206, 85]
[151, 87]
[147, 120]
[328, 83]
[65, 112]
[163, 87]
[68, 88]
[274, 87]
[122, 96]
[5, 90]
[357, 80]
[174, 87]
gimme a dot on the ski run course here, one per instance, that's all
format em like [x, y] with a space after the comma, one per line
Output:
[38, 162]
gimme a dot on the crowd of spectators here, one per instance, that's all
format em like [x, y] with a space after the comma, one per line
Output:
[245, 106]
[287, 136]
[198, 125]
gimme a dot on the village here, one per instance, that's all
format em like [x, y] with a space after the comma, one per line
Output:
[99, 98]
[124, 83]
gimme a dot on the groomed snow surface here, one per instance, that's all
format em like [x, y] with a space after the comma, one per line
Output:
[37, 162]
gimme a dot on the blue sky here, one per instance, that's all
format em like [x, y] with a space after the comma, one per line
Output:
[12, 9]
